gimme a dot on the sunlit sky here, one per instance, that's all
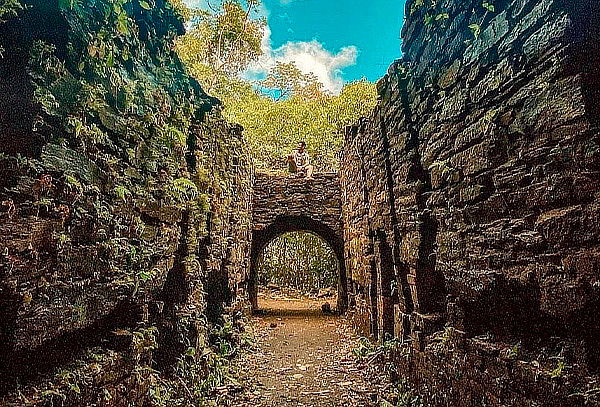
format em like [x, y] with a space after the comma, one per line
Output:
[339, 41]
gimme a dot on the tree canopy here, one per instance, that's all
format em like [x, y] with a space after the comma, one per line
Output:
[286, 107]
[222, 43]
[300, 260]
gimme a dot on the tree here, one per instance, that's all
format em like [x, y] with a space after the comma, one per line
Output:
[300, 260]
[222, 43]
[273, 126]
[285, 81]
[286, 107]
[181, 8]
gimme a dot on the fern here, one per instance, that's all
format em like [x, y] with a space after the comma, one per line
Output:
[182, 190]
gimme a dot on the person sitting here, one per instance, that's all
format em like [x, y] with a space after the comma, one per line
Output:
[299, 162]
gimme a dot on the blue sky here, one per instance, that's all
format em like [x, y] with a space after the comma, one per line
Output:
[338, 41]
[372, 27]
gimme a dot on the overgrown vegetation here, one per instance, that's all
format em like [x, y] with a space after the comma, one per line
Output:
[198, 374]
[9, 8]
[400, 394]
[274, 127]
[299, 260]
[132, 152]
[202, 371]
[134, 122]
[436, 16]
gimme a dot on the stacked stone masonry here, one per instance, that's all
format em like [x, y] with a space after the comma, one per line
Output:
[467, 224]
[125, 204]
[471, 201]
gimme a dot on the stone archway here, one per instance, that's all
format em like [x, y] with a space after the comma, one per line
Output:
[288, 204]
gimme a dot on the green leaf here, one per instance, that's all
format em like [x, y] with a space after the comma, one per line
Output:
[442, 16]
[416, 5]
[122, 192]
[123, 24]
[145, 5]
[475, 29]
[110, 60]
[428, 19]
[489, 6]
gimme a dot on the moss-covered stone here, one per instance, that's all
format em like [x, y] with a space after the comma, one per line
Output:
[123, 190]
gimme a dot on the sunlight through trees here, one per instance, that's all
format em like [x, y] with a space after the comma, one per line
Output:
[299, 260]
[277, 112]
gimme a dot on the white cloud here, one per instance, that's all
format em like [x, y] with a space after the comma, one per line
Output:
[309, 57]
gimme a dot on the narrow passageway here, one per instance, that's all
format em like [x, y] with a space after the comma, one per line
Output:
[302, 357]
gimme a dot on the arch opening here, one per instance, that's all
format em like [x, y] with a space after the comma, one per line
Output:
[300, 261]
[283, 225]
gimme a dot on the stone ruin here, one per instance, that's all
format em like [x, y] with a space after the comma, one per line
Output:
[472, 202]
[465, 217]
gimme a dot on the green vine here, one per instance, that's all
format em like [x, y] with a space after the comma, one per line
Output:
[476, 27]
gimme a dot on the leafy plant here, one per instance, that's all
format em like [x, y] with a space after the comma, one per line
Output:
[489, 6]
[416, 5]
[122, 192]
[476, 27]
[365, 347]
[560, 368]
[144, 340]
[182, 190]
[145, 5]
[402, 396]
[444, 167]
[514, 352]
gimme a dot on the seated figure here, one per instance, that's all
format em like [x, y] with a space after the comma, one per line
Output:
[299, 162]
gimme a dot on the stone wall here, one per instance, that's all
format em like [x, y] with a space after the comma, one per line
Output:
[280, 196]
[289, 203]
[125, 204]
[472, 202]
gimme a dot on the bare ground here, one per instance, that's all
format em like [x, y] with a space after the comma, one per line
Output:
[302, 357]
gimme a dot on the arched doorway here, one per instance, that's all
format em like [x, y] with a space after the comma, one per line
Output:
[286, 224]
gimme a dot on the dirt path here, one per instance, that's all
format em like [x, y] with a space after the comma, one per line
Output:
[302, 358]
